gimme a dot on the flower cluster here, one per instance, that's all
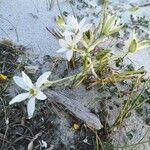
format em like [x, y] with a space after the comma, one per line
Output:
[72, 32]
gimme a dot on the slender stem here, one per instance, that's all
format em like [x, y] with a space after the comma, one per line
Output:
[73, 60]
[72, 8]
[105, 13]
[120, 56]
[15, 28]
[85, 61]
[130, 73]
[49, 83]
[105, 8]
[98, 141]
[129, 106]
[125, 55]
[67, 78]
[105, 4]
[59, 9]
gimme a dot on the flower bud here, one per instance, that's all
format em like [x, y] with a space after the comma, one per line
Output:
[60, 22]
[88, 36]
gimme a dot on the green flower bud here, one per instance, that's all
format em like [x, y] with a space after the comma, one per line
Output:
[110, 25]
[60, 22]
[88, 36]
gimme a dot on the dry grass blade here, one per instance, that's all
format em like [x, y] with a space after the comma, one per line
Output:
[30, 145]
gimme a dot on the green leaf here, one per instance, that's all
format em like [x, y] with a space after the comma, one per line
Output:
[133, 46]
[135, 8]
[97, 42]
[110, 21]
[85, 44]
[117, 29]
[143, 44]
[103, 54]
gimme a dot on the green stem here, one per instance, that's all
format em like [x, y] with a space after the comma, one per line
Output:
[125, 55]
[105, 13]
[85, 61]
[105, 4]
[120, 56]
[105, 8]
[130, 73]
[49, 83]
[130, 105]
[73, 60]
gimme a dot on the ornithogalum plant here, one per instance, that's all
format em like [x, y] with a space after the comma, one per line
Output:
[72, 31]
[80, 40]
[86, 41]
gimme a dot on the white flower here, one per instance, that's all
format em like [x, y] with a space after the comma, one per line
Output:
[33, 91]
[68, 46]
[75, 29]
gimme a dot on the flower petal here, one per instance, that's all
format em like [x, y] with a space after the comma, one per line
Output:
[67, 32]
[86, 27]
[82, 22]
[78, 37]
[69, 18]
[27, 80]
[20, 82]
[61, 50]
[42, 79]
[41, 96]
[31, 107]
[63, 43]
[68, 39]
[19, 98]
[69, 55]
[72, 21]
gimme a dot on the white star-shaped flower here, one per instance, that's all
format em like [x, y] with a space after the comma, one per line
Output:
[75, 29]
[67, 46]
[33, 91]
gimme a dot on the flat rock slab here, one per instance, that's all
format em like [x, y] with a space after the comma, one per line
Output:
[76, 108]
